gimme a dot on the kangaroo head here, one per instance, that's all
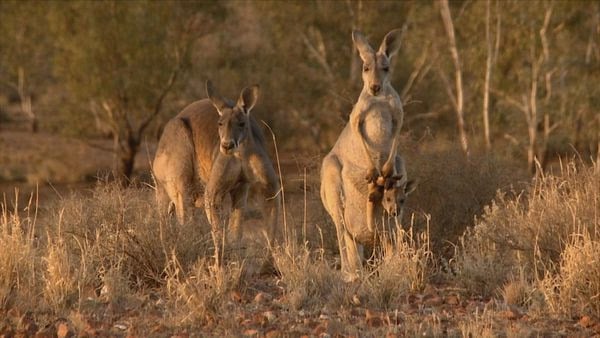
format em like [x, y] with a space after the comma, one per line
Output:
[394, 193]
[234, 119]
[376, 65]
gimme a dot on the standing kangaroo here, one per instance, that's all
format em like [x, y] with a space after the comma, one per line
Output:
[218, 144]
[370, 137]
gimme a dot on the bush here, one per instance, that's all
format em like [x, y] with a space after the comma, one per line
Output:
[549, 233]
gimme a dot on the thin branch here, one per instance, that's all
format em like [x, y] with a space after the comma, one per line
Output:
[159, 102]
[415, 72]
[448, 87]
[521, 106]
[318, 53]
[100, 147]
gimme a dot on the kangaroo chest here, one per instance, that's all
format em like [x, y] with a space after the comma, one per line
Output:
[377, 128]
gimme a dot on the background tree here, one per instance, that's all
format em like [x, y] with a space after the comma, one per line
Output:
[25, 52]
[129, 66]
[124, 59]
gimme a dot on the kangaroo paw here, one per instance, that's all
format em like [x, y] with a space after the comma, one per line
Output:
[372, 175]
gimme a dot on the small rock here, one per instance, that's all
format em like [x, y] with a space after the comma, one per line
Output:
[586, 322]
[236, 296]
[63, 330]
[262, 298]
[251, 332]
[274, 334]
[511, 314]
[452, 300]
[120, 326]
[270, 315]
[356, 300]
[324, 317]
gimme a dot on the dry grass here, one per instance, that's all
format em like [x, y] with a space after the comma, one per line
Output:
[404, 267]
[309, 281]
[547, 239]
[538, 252]
[575, 289]
[60, 279]
[454, 189]
[119, 227]
[19, 259]
[200, 296]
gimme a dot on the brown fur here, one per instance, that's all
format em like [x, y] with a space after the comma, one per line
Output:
[219, 145]
[369, 139]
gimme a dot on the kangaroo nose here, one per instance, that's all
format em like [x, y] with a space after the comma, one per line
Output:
[228, 145]
[375, 88]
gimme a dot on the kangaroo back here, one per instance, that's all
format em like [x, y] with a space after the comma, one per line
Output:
[174, 167]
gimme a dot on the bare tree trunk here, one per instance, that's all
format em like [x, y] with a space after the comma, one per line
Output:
[488, 76]
[458, 100]
[531, 116]
[129, 149]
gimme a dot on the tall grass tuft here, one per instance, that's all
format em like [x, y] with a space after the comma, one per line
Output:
[308, 279]
[19, 268]
[60, 279]
[117, 228]
[549, 233]
[575, 289]
[201, 294]
[404, 267]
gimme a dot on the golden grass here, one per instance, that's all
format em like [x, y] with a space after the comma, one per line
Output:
[60, 279]
[546, 239]
[19, 258]
[538, 251]
[201, 294]
[405, 266]
[309, 281]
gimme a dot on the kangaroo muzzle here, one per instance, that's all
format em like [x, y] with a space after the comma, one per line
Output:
[375, 89]
[228, 146]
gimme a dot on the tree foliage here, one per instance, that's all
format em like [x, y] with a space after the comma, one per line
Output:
[120, 56]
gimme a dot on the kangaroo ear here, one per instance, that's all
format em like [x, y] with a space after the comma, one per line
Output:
[362, 45]
[391, 43]
[214, 97]
[248, 98]
[411, 185]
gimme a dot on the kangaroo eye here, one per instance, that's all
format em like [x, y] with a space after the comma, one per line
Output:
[242, 124]
[220, 124]
[386, 69]
[402, 201]
[366, 69]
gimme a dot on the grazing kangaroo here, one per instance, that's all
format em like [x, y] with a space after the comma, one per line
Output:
[217, 143]
[391, 191]
[370, 137]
